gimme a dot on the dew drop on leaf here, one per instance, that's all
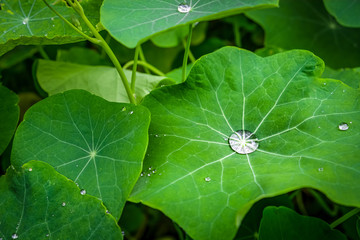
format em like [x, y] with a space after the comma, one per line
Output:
[243, 142]
[107, 211]
[30, 169]
[343, 126]
[83, 192]
[207, 179]
[184, 8]
[14, 236]
[25, 20]
[321, 169]
[131, 112]
[63, 204]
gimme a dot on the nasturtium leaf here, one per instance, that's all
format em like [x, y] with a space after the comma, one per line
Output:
[134, 21]
[346, 12]
[193, 175]
[81, 55]
[39, 203]
[31, 22]
[309, 26]
[56, 77]
[9, 115]
[350, 76]
[284, 223]
[98, 144]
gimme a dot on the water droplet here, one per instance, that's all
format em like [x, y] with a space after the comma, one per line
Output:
[14, 236]
[107, 211]
[123, 233]
[150, 168]
[53, 25]
[123, 109]
[159, 174]
[156, 135]
[83, 192]
[131, 112]
[149, 174]
[324, 83]
[184, 8]
[154, 171]
[343, 126]
[63, 204]
[30, 169]
[141, 174]
[46, 34]
[344, 90]
[243, 142]
[25, 21]
[52, 19]
[47, 235]
[321, 169]
[208, 179]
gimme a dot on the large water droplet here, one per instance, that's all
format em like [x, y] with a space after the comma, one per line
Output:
[207, 179]
[83, 192]
[343, 126]
[14, 236]
[184, 8]
[243, 142]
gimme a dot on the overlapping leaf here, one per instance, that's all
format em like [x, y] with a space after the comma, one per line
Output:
[31, 22]
[98, 144]
[131, 22]
[39, 203]
[307, 25]
[9, 115]
[192, 174]
[346, 12]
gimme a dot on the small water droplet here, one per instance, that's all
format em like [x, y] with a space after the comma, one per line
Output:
[344, 90]
[184, 8]
[46, 34]
[14, 236]
[131, 112]
[321, 169]
[123, 233]
[159, 174]
[52, 19]
[156, 135]
[83, 192]
[77, 184]
[343, 126]
[154, 171]
[150, 168]
[123, 109]
[141, 174]
[25, 21]
[149, 174]
[63, 204]
[53, 25]
[324, 83]
[107, 211]
[319, 127]
[207, 179]
[47, 235]
[243, 142]
[350, 122]
[30, 169]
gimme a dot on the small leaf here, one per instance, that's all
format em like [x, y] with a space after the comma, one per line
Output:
[98, 144]
[131, 22]
[56, 77]
[309, 26]
[346, 12]
[295, 116]
[39, 203]
[9, 115]
[284, 223]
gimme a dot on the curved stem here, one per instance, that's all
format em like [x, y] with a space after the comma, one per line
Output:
[42, 52]
[133, 75]
[300, 203]
[237, 34]
[342, 219]
[142, 57]
[323, 204]
[186, 54]
[145, 65]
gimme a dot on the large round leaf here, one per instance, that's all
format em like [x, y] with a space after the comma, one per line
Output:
[134, 21]
[30, 22]
[98, 144]
[346, 12]
[9, 115]
[193, 175]
[307, 25]
[39, 203]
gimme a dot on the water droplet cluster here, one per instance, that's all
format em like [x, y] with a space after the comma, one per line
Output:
[243, 142]
[147, 173]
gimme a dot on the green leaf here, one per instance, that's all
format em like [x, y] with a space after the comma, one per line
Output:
[350, 76]
[295, 116]
[81, 55]
[39, 203]
[98, 144]
[56, 77]
[31, 22]
[9, 115]
[134, 21]
[307, 25]
[284, 223]
[346, 12]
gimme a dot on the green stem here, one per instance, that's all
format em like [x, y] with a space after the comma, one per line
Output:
[342, 219]
[100, 41]
[142, 57]
[237, 34]
[133, 75]
[42, 52]
[191, 56]
[186, 54]
[300, 203]
[323, 204]
[145, 65]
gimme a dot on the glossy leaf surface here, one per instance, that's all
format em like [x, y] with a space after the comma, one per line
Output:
[346, 12]
[350, 76]
[9, 115]
[284, 223]
[31, 22]
[205, 186]
[56, 77]
[134, 21]
[44, 204]
[307, 25]
[97, 144]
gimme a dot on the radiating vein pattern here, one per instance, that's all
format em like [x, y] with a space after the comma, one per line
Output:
[228, 97]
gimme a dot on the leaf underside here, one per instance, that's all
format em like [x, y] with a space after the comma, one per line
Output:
[193, 176]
